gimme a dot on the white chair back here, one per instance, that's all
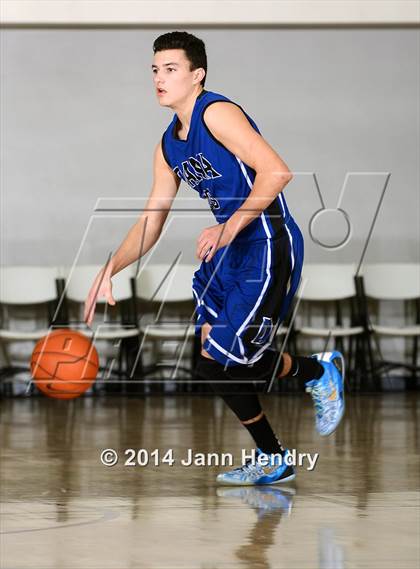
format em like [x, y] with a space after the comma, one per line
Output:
[27, 285]
[161, 283]
[79, 281]
[327, 281]
[392, 281]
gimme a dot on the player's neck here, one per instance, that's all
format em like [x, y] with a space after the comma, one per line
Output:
[185, 109]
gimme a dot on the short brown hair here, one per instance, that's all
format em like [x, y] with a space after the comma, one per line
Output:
[194, 48]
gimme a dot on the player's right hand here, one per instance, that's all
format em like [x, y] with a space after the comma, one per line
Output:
[101, 288]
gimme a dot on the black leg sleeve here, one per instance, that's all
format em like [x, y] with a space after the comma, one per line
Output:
[240, 396]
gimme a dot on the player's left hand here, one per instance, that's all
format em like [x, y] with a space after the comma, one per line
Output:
[211, 240]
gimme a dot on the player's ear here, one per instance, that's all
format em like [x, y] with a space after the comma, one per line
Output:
[199, 75]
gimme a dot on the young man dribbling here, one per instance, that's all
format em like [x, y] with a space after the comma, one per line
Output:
[251, 259]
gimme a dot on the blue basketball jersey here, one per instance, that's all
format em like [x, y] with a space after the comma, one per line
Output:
[219, 176]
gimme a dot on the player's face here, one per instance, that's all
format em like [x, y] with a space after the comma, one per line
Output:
[172, 77]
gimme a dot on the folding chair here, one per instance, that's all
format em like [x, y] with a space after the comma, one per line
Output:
[397, 282]
[164, 292]
[332, 288]
[30, 295]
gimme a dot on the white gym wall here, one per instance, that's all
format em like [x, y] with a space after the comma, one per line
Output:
[334, 87]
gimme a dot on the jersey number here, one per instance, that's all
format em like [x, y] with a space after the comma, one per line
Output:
[213, 203]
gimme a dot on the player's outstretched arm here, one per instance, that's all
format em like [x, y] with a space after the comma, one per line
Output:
[142, 235]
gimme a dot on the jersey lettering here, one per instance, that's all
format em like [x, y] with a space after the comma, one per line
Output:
[199, 170]
[194, 170]
[178, 173]
[188, 175]
[208, 168]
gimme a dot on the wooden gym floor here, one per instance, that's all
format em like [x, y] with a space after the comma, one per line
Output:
[63, 509]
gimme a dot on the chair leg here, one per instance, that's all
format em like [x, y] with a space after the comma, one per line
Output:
[122, 381]
[374, 378]
[410, 385]
[5, 354]
[350, 368]
[196, 350]
[363, 379]
[339, 345]
[134, 364]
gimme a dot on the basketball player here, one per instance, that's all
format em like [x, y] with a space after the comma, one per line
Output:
[251, 259]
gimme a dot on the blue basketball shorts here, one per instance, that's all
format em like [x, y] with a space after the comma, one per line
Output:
[245, 291]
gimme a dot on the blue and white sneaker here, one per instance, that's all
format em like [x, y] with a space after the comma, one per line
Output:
[328, 392]
[252, 473]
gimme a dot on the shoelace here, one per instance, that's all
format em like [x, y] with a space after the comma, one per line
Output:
[251, 469]
[324, 408]
[316, 393]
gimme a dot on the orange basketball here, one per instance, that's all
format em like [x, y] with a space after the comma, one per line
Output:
[64, 364]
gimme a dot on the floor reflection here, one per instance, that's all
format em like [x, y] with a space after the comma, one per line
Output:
[61, 508]
[270, 504]
[331, 554]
